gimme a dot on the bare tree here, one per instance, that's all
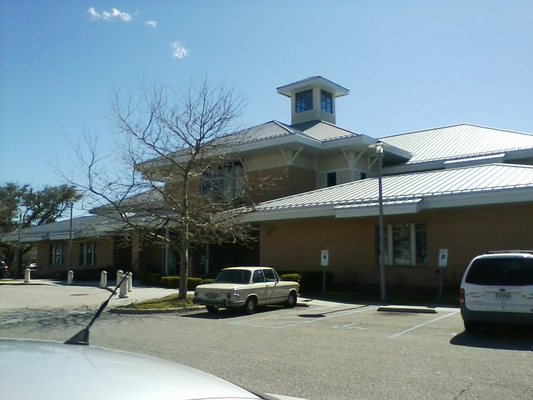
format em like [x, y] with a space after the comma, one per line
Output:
[181, 182]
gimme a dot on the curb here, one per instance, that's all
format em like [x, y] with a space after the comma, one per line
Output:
[22, 283]
[119, 310]
[408, 309]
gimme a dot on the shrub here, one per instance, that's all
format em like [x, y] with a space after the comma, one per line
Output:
[291, 277]
[209, 280]
[150, 278]
[170, 282]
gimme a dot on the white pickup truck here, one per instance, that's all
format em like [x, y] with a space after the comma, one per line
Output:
[246, 288]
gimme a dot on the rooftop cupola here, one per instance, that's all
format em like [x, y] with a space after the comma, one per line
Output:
[312, 99]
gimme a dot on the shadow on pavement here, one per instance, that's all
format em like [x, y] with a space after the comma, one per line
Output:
[227, 313]
[323, 314]
[497, 337]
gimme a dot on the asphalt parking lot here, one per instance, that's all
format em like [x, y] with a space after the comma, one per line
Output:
[350, 317]
[323, 351]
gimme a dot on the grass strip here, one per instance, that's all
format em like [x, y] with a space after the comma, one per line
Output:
[168, 302]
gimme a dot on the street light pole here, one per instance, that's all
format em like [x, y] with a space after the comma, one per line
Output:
[379, 156]
[70, 238]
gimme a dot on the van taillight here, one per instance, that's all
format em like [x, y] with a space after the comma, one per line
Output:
[461, 295]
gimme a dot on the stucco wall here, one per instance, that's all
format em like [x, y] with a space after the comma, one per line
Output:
[296, 245]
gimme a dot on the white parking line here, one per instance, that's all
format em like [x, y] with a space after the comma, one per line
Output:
[423, 324]
[303, 319]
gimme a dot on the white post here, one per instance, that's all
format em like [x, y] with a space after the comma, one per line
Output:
[27, 275]
[103, 279]
[130, 281]
[123, 288]
[120, 273]
[70, 277]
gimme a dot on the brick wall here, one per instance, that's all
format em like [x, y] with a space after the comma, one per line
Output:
[296, 245]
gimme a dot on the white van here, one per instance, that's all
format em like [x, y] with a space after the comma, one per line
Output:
[498, 287]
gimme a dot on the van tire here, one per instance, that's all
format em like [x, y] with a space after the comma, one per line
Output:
[471, 326]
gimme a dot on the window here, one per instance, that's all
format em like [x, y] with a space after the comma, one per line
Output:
[363, 175]
[88, 253]
[331, 179]
[270, 275]
[56, 254]
[258, 276]
[405, 244]
[225, 183]
[512, 271]
[326, 102]
[401, 244]
[304, 101]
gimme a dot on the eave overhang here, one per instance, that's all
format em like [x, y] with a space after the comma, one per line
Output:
[397, 206]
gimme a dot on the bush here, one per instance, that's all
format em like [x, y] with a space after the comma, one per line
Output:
[170, 282]
[209, 280]
[173, 282]
[150, 278]
[291, 277]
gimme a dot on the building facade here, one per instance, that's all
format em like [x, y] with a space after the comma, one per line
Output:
[459, 190]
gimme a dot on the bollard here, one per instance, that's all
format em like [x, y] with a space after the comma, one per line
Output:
[120, 273]
[103, 279]
[130, 282]
[27, 275]
[70, 277]
[123, 289]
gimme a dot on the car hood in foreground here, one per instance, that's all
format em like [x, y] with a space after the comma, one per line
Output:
[46, 370]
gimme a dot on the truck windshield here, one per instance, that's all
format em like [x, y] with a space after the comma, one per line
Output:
[501, 272]
[240, 276]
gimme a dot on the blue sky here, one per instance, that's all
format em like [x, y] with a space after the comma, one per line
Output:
[409, 65]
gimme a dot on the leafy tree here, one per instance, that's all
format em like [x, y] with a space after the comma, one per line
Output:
[22, 206]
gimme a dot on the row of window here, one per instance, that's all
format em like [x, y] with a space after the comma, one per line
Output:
[404, 244]
[304, 101]
[87, 254]
[331, 178]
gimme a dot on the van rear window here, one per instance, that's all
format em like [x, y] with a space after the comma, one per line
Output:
[501, 272]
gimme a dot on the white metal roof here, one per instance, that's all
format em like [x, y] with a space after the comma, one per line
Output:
[459, 141]
[89, 226]
[484, 184]
[320, 81]
[316, 130]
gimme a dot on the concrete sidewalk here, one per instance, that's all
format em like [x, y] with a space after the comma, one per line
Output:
[46, 293]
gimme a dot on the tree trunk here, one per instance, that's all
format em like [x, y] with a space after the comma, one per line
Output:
[184, 268]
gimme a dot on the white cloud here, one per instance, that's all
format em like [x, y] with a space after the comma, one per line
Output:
[151, 24]
[109, 16]
[93, 15]
[178, 51]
